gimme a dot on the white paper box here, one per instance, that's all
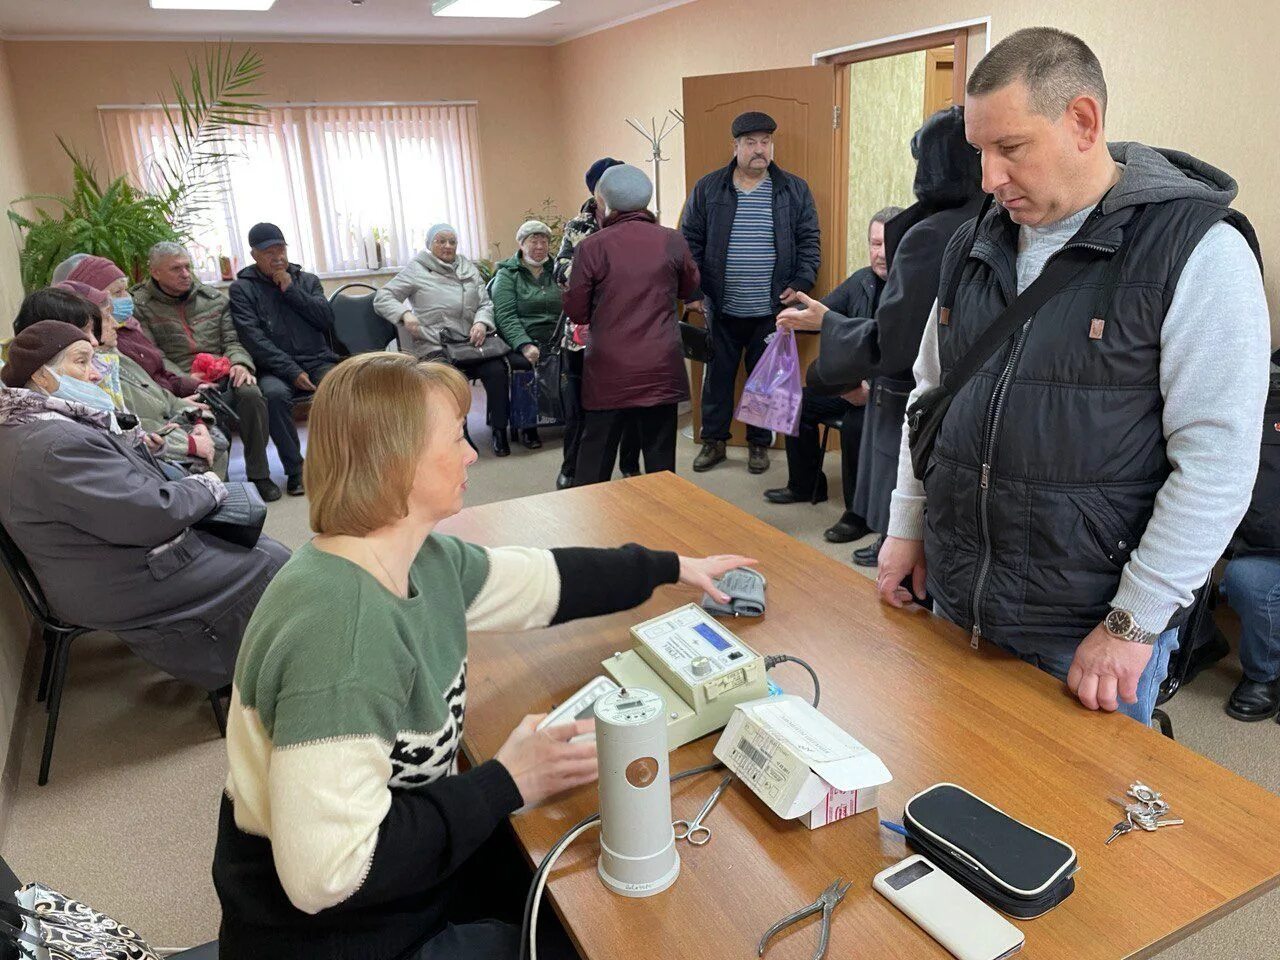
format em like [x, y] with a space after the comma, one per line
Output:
[800, 763]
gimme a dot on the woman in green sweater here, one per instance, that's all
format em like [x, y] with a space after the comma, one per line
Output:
[526, 300]
[344, 816]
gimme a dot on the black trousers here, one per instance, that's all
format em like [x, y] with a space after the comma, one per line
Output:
[492, 374]
[251, 407]
[281, 397]
[805, 449]
[602, 434]
[575, 420]
[735, 340]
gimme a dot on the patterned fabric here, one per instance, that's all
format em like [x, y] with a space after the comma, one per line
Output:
[107, 363]
[19, 405]
[72, 930]
[575, 231]
[748, 270]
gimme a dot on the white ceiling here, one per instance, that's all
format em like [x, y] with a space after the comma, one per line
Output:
[404, 21]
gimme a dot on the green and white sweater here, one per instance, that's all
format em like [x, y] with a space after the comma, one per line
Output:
[344, 813]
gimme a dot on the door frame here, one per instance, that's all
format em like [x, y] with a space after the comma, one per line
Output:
[840, 59]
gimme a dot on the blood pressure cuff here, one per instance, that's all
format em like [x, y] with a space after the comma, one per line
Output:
[745, 588]
[1013, 867]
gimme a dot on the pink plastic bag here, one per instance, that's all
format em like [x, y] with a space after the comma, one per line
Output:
[772, 394]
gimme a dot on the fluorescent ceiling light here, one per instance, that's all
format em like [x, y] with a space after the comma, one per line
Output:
[509, 9]
[212, 4]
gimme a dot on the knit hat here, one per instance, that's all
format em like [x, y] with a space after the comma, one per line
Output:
[97, 272]
[625, 188]
[439, 228]
[531, 227]
[597, 169]
[753, 122]
[99, 298]
[37, 345]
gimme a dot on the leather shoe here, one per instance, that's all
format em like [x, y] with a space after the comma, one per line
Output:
[531, 439]
[294, 486]
[847, 529]
[757, 458]
[781, 495]
[500, 446]
[267, 490]
[1252, 700]
[868, 556]
[712, 454]
[564, 481]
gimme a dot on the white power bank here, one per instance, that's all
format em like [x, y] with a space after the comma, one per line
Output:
[963, 924]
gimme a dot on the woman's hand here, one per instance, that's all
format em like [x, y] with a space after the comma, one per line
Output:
[410, 320]
[154, 442]
[478, 332]
[203, 442]
[531, 353]
[807, 317]
[699, 572]
[544, 762]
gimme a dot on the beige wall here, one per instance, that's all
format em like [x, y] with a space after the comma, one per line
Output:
[59, 86]
[1199, 82]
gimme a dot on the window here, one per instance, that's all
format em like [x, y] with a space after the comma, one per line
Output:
[353, 187]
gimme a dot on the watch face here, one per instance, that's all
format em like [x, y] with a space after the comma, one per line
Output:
[1119, 622]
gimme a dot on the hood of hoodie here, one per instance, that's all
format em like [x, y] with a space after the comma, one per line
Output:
[1153, 175]
[948, 170]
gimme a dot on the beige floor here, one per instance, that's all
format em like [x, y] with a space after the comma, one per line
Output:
[127, 819]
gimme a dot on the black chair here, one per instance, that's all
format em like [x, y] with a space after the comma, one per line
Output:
[358, 327]
[1188, 634]
[826, 425]
[57, 637]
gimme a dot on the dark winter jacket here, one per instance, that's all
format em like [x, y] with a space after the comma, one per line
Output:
[285, 333]
[626, 282]
[707, 222]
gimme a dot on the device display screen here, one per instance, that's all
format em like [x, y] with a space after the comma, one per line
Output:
[630, 705]
[909, 875]
[712, 637]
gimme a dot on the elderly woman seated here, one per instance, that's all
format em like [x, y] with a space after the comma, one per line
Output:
[110, 539]
[450, 317]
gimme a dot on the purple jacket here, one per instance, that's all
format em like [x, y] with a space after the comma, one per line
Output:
[626, 281]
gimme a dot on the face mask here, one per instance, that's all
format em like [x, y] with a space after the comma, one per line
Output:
[536, 263]
[122, 308]
[82, 392]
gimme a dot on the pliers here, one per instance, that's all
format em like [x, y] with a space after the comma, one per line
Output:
[827, 901]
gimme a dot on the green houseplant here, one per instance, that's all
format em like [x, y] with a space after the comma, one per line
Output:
[121, 221]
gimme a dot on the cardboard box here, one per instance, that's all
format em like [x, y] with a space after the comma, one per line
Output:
[800, 763]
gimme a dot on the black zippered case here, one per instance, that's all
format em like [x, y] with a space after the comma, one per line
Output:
[1014, 867]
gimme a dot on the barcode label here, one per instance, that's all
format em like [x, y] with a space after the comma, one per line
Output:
[758, 757]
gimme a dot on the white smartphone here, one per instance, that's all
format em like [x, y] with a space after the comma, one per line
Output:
[963, 924]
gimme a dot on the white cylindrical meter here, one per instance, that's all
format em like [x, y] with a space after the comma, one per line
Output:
[638, 855]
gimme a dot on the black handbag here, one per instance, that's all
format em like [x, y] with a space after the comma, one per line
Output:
[695, 342]
[459, 349]
[1014, 867]
[551, 372]
[925, 415]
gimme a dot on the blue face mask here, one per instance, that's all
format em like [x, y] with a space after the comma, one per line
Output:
[82, 392]
[122, 308]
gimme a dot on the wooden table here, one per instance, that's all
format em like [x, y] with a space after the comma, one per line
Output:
[913, 691]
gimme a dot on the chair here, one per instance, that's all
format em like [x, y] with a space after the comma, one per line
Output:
[826, 425]
[358, 327]
[57, 637]
[1180, 666]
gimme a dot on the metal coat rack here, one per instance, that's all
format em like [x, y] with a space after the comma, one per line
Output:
[654, 137]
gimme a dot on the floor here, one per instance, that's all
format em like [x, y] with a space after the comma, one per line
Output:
[126, 821]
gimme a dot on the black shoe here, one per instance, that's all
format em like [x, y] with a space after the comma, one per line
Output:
[564, 481]
[757, 458]
[630, 473]
[847, 529]
[782, 495]
[531, 439]
[267, 490]
[294, 486]
[868, 556]
[500, 446]
[1252, 700]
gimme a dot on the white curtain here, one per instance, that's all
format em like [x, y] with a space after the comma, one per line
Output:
[352, 187]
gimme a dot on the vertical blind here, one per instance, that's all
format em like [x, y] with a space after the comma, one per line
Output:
[353, 187]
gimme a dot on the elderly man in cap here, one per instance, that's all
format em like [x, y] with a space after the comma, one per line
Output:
[753, 230]
[285, 323]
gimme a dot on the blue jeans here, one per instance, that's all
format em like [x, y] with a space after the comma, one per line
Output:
[1253, 590]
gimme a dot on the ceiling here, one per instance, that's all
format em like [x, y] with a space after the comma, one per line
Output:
[402, 21]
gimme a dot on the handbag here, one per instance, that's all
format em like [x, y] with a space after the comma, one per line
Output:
[551, 373]
[239, 518]
[458, 348]
[695, 342]
[46, 925]
[925, 415]
[1012, 866]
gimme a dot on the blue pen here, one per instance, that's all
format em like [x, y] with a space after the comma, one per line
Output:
[896, 828]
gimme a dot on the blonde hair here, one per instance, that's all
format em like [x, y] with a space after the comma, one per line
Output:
[367, 429]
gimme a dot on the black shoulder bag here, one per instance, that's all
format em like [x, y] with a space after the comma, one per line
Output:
[925, 415]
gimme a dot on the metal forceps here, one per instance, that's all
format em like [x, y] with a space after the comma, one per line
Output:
[693, 830]
[827, 901]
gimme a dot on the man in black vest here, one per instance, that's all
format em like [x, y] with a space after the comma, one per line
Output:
[1084, 482]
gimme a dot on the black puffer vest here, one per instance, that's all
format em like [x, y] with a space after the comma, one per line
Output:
[1047, 465]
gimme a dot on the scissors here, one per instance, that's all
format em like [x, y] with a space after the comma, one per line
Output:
[694, 831]
[826, 903]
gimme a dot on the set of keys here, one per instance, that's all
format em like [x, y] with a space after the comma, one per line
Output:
[1145, 810]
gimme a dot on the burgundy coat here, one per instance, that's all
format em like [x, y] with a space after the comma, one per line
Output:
[137, 346]
[627, 279]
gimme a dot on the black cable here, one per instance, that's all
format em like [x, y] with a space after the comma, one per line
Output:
[554, 852]
[772, 661]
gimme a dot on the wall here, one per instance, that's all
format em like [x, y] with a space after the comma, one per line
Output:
[58, 86]
[1197, 82]
[885, 109]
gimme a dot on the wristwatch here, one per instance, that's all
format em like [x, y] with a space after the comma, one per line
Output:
[1121, 625]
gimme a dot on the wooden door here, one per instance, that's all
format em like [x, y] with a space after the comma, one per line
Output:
[803, 102]
[939, 83]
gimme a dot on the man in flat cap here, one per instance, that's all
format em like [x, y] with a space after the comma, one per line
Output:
[753, 230]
